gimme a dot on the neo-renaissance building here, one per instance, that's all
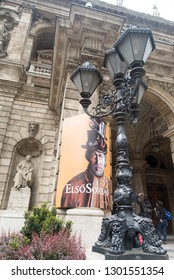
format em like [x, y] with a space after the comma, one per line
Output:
[41, 44]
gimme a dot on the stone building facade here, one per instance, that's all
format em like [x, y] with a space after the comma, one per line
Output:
[41, 43]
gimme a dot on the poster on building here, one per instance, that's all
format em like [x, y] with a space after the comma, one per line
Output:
[84, 170]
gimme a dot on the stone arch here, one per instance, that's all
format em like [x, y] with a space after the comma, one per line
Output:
[156, 103]
[163, 158]
[161, 100]
[159, 104]
[40, 66]
[43, 37]
[41, 26]
[22, 148]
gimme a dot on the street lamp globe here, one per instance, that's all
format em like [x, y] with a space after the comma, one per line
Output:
[135, 45]
[86, 78]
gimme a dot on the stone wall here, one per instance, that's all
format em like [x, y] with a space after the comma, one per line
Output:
[21, 104]
[17, 113]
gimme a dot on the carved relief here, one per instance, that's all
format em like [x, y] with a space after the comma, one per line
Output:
[40, 22]
[33, 129]
[74, 52]
[158, 69]
[6, 25]
[169, 88]
[24, 7]
[92, 44]
[77, 23]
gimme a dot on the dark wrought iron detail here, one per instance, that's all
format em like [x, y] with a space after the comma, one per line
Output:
[119, 231]
[106, 102]
[125, 226]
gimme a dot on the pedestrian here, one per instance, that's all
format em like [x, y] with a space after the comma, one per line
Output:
[161, 221]
[145, 206]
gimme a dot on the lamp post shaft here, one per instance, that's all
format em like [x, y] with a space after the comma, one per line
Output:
[123, 169]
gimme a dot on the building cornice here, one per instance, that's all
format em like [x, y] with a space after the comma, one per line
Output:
[84, 36]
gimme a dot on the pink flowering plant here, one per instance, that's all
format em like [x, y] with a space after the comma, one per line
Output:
[60, 246]
[44, 236]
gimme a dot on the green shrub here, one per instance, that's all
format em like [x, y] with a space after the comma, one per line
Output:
[43, 219]
[44, 236]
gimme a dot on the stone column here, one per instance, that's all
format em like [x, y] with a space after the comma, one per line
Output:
[139, 175]
[139, 182]
[87, 222]
[13, 67]
[18, 38]
[170, 134]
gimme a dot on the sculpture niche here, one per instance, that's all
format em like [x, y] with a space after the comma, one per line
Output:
[20, 194]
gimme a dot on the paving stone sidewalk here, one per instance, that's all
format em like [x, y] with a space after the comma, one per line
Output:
[170, 246]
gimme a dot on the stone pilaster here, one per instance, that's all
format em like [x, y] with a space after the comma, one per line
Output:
[170, 134]
[12, 67]
[87, 222]
[139, 175]
[19, 36]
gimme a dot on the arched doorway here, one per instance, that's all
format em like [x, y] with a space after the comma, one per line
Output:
[158, 181]
[155, 192]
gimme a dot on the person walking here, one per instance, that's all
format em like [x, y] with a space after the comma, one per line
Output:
[144, 205]
[161, 221]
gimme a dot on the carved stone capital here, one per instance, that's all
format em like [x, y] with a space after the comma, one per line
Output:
[24, 7]
[6, 26]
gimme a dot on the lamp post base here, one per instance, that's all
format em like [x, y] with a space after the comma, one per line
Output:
[134, 254]
[118, 237]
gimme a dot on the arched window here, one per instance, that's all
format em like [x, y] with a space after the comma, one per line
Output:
[155, 162]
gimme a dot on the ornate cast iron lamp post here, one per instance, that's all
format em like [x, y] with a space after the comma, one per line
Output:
[125, 63]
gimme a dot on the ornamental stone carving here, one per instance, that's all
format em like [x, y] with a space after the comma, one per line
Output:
[24, 173]
[24, 7]
[33, 129]
[30, 146]
[6, 25]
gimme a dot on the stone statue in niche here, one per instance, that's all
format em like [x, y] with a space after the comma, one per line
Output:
[4, 37]
[33, 129]
[24, 175]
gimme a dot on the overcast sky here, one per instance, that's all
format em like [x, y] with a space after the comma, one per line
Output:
[165, 7]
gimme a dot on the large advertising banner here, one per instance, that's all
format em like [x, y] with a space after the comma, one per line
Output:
[84, 170]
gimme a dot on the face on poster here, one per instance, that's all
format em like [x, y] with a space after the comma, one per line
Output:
[84, 170]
